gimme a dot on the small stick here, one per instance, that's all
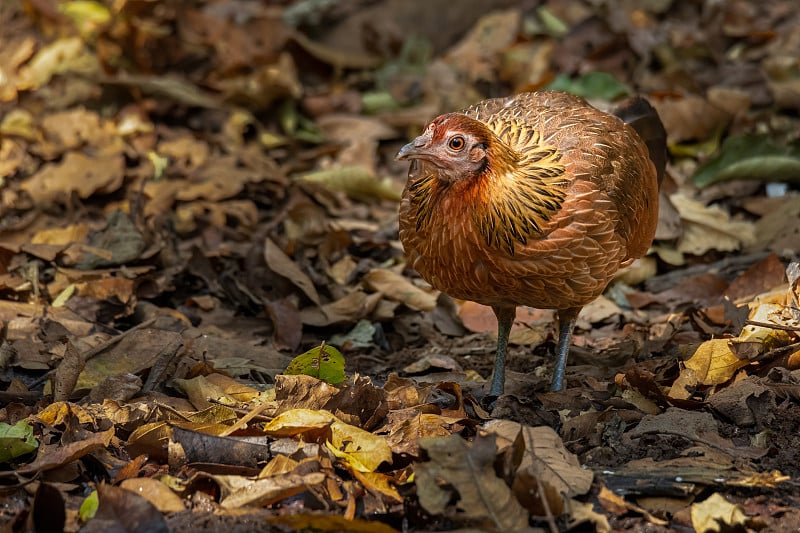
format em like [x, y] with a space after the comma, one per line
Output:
[771, 325]
[245, 419]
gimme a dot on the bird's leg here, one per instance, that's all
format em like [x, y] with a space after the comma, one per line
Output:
[505, 318]
[566, 323]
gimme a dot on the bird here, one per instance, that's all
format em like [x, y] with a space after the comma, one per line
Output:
[535, 199]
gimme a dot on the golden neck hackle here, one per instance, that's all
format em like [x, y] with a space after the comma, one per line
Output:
[519, 189]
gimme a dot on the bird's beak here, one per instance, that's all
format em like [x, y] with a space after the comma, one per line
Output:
[406, 152]
[415, 148]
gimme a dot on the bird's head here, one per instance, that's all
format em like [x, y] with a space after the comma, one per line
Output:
[458, 146]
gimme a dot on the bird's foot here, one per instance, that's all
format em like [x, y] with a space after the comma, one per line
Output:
[489, 401]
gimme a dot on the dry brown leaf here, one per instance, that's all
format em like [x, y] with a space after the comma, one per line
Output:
[219, 179]
[400, 289]
[689, 118]
[278, 465]
[476, 56]
[239, 491]
[201, 392]
[232, 387]
[357, 181]
[156, 493]
[62, 236]
[363, 451]
[52, 456]
[710, 228]
[763, 276]
[186, 153]
[74, 129]
[208, 443]
[106, 288]
[359, 135]
[619, 506]
[121, 387]
[136, 352]
[583, 512]
[405, 428]
[546, 469]
[76, 173]
[358, 402]
[282, 264]
[348, 309]
[60, 56]
[117, 506]
[380, 483]
[58, 413]
[67, 372]
[149, 439]
[779, 228]
[483, 498]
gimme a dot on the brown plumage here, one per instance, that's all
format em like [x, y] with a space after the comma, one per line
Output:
[537, 199]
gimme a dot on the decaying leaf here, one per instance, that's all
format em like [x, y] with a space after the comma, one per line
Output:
[479, 50]
[117, 506]
[356, 181]
[468, 469]
[714, 362]
[716, 513]
[361, 449]
[323, 362]
[77, 173]
[709, 228]
[619, 506]
[546, 469]
[55, 455]
[156, 492]
[239, 490]
[16, 440]
[282, 264]
[396, 287]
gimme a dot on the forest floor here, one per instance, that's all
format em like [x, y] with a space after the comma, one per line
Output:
[192, 194]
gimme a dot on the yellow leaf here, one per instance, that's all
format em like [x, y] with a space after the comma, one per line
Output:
[715, 512]
[379, 483]
[362, 450]
[297, 421]
[714, 362]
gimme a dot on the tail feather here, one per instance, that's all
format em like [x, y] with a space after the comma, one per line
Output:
[638, 112]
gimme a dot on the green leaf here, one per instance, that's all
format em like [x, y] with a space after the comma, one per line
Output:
[322, 362]
[89, 507]
[601, 85]
[751, 157]
[16, 440]
[378, 101]
[552, 24]
[87, 16]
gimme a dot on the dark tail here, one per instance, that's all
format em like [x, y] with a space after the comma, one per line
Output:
[637, 112]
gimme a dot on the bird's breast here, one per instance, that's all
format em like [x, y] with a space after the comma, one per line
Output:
[566, 265]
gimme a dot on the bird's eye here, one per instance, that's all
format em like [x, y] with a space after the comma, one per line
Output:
[457, 143]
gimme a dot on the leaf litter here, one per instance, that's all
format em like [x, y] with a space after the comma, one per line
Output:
[191, 200]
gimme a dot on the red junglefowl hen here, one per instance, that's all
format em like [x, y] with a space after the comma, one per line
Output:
[537, 199]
